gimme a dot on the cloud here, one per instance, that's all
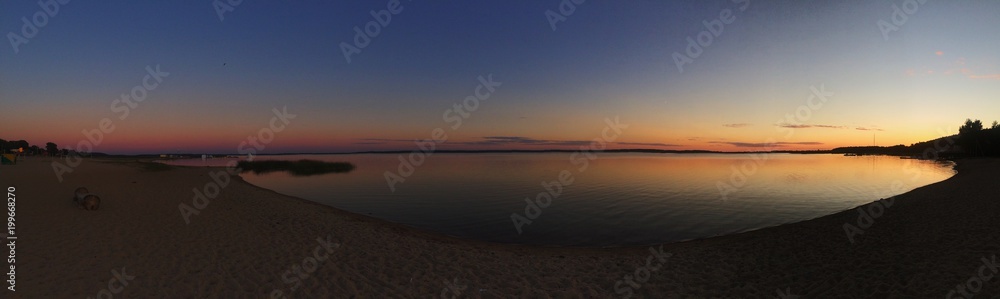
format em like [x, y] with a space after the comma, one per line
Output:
[644, 144]
[763, 144]
[513, 140]
[956, 67]
[963, 71]
[381, 140]
[810, 126]
[521, 140]
[794, 126]
[990, 76]
[506, 140]
[827, 127]
[736, 125]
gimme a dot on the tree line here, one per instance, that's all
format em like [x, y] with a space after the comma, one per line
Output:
[973, 140]
[979, 141]
[50, 148]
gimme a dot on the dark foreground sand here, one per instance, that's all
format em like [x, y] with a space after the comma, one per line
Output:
[243, 243]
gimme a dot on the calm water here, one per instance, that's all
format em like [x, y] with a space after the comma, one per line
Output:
[619, 199]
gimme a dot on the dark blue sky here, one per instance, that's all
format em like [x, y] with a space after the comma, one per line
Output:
[607, 59]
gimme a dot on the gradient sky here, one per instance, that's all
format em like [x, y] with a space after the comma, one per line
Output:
[607, 59]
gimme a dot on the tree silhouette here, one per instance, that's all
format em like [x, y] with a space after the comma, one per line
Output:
[7, 145]
[971, 126]
[969, 136]
[19, 144]
[977, 141]
[51, 148]
[991, 142]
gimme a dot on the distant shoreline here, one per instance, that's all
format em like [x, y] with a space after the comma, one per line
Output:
[922, 149]
[650, 151]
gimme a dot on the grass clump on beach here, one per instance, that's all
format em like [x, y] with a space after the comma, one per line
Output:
[297, 168]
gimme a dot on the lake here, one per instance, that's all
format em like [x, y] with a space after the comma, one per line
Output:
[617, 199]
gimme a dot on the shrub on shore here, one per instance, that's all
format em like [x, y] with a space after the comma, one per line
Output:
[296, 168]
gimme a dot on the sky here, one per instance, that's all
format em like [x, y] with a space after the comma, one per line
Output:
[221, 78]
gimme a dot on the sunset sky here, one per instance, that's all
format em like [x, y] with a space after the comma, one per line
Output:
[607, 59]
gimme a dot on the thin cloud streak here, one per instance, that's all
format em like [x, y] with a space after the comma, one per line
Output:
[645, 144]
[991, 76]
[516, 140]
[763, 144]
[810, 126]
[521, 140]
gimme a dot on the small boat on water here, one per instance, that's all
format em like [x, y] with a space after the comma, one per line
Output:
[851, 154]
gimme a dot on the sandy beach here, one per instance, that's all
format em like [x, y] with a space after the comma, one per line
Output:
[250, 243]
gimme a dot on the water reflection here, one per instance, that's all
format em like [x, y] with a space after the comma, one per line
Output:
[618, 199]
